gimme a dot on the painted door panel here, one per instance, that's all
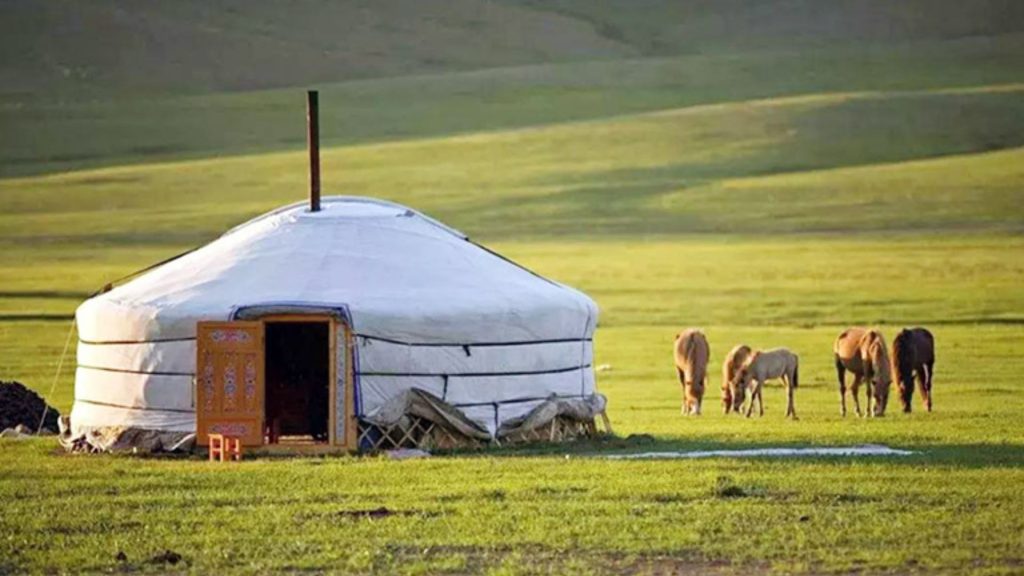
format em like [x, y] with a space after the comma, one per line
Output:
[229, 380]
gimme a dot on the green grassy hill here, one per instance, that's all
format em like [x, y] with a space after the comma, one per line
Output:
[849, 162]
[772, 171]
[662, 27]
[728, 120]
[66, 47]
[73, 49]
[180, 80]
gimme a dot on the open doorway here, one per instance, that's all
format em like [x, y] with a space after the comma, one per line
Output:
[298, 377]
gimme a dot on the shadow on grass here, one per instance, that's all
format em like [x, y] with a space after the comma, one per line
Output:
[952, 456]
[978, 455]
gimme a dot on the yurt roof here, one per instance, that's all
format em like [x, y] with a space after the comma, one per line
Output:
[398, 273]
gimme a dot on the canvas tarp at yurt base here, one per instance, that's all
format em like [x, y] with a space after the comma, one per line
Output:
[417, 304]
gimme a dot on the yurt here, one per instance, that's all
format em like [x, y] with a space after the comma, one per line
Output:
[362, 324]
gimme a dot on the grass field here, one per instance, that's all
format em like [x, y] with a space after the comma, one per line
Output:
[953, 507]
[770, 171]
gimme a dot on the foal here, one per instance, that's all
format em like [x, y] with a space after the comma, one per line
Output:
[768, 365]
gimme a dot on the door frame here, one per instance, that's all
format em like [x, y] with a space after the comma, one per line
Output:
[348, 418]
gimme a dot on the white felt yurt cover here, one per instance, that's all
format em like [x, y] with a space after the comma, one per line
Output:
[430, 309]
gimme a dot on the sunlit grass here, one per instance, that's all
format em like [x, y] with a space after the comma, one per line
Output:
[958, 497]
[770, 222]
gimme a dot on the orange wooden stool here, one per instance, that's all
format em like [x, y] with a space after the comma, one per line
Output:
[225, 448]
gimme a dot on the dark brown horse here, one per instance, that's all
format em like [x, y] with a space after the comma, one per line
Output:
[913, 354]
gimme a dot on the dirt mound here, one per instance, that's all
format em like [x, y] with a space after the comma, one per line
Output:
[19, 405]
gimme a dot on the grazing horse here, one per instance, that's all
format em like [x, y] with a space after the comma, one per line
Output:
[913, 351]
[691, 356]
[863, 352]
[731, 397]
[767, 365]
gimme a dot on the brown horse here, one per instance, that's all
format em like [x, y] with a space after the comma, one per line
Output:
[863, 352]
[767, 365]
[691, 356]
[913, 353]
[731, 396]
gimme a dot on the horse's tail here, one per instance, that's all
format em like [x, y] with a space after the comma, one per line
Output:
[796, 372]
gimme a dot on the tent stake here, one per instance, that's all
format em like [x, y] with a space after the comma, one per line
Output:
[313, 140]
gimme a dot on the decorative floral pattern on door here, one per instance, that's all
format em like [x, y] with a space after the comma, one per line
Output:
[250, 381]
[230, 380]
[229, 365]
[240, 336]
[208, 393]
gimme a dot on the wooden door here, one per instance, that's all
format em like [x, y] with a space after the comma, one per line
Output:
[229, 381]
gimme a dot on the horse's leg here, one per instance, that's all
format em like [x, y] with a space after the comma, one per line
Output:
[785, 382]
[925, 385]
[869, 395]
[841, 372]
[855, 390]
[790, 406]
[703, 392]
[751, 396]
[726, 398]
[682, 385]
[931, 373]
[760, 398]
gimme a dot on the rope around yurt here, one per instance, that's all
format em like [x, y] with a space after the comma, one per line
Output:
[106, 288]
[56, 377]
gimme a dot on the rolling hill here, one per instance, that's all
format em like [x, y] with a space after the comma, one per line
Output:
[112, 82]
[769, 170]
[658, 123]
[66, 47]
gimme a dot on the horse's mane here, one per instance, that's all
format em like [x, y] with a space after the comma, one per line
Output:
[882, 353]
[874, 343]
[745, 367]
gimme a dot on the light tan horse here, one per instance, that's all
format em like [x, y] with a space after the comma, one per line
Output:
[731, 397]
[691, 357]
[761, 366]
[862, 351]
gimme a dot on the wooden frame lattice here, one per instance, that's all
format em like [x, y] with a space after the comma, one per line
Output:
[424, 434]
[560, 429]
[419, 433]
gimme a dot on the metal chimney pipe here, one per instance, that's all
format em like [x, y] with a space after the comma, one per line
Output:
[313, 142]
